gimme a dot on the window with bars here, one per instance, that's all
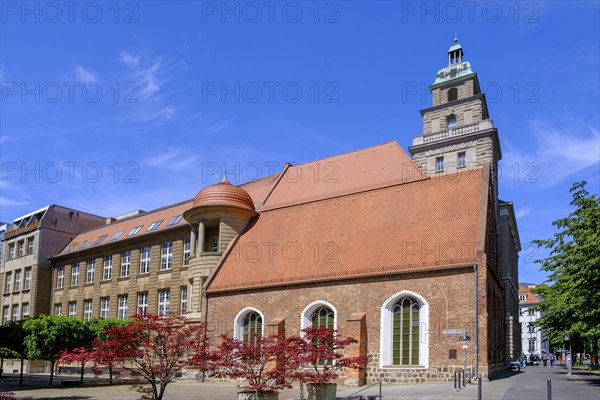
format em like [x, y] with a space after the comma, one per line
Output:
[91, 269]
[164, 299]
[125, 263]
[166, 256]
[107, 274]
[145, 260]
[75, 274]
[122, 310]
[405, 332]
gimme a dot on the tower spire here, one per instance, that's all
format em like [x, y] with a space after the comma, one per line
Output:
[455, 52]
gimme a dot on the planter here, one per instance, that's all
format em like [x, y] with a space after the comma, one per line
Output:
[321, 391]
[258, 396]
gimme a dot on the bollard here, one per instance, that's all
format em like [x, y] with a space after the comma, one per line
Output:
[549, 389]
[464, 378]
[479, 387]
[455, 388]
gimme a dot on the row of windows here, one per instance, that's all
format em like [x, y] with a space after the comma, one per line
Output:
[17, 249]
[166, 263]
[461, 161]
[17, 280]
[404, 327]
[17, 312]
[141, 306]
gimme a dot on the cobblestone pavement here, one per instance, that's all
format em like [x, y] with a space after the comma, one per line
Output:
[530, 384]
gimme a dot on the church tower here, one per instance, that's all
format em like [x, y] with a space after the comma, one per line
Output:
[457, 129]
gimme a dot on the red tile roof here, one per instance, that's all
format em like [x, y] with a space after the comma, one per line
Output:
[531, 298]
[408, 226]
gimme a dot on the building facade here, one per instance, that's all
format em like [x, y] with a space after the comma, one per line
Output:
[534, 341]
[404, 254]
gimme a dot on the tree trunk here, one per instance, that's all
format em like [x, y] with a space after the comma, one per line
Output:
[51, 373]
[110, 373]
[21, 374]
[1, 365]
[82, 368]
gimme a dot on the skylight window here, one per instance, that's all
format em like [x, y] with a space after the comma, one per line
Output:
[69, 249]
[175, 220]
[154, 225]
[116, 235]
[83, 245]
[100, 239]
[135, 230]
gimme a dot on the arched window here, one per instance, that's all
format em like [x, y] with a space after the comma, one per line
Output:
[405, 342]
[248, 324]
[452, 94]
[451, 121]
[319, 313]
[404, 323]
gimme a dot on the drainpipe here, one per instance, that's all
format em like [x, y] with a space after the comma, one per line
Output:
[204, 319]
[476, 329]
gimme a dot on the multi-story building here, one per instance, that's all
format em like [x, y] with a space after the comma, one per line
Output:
[403, 254]
[533, 337]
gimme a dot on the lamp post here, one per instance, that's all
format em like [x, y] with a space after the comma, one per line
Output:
[569, 359]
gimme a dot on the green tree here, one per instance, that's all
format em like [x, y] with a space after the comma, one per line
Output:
[571, 294]
[49, 335]
[12, 344]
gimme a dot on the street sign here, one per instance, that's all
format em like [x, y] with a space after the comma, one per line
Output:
[464, 346]
[453, 331]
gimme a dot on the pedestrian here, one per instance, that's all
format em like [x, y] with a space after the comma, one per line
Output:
[523, 359]
[545, 359]
[552, 359]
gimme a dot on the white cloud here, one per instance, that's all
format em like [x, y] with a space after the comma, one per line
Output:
[522, 211]
[85, 75]
[3, 139]
[129, 59]
[556, 154]
[218, 127]
[4, 201]
[173, 159]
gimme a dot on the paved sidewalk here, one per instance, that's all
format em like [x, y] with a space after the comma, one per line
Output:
[529, 384]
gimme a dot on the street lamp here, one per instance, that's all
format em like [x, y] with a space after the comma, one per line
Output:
[569, 362]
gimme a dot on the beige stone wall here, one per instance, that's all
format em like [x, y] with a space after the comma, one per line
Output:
[465, 89]
[466, 113]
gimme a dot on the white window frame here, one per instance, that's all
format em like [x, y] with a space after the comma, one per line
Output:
[72, 309]
[125, 263]
[123, 304]
[461, 156]
[183, 300]
[142, 303]
[107, 270]
[21, 248]
[5, 314]
[18, 279]
[187, 251]
[8, 283]
[25, 310]
[164, 301]
[58, 309]
[214, 244]
[11, 251]
[87, 309]
[439, 162]
[166, 256]
[238, 326]
[145, 260]
[104, 307]
[385, 340]
[15, 312]
[75, 274]
[30, 242]
[305, 320]
[90, 271]
[27, 283]
[60, 277]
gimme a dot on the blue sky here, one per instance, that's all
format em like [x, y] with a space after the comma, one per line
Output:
[108, 107]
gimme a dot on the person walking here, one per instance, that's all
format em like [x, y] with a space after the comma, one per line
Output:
[552, 359]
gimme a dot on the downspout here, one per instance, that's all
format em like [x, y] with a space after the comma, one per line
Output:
[476, 328]
[204, 321]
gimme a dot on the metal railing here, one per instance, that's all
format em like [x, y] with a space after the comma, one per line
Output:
[448, 133]
[354, 396]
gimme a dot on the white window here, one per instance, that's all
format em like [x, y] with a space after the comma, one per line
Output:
[125, 263]
[5, 314]
[183, 306]
[107, 274]
[8, 283]
[15, 313]
[116, 235]
[75, 274]
[532, 346]
[461, 160]
[404, 325]
[214, 244]
[154, 225]
[91, 269]
[11, 251]
[58, 309]
[135, 230]
[248, 323]
[87, 309]
[18, 280]
[73, 309]
[27, 283]
[186, 252]
[145, 261]
[60, 279]
[175, 220]
[25, 310]
[21, 248]
[122, 311]
[166, 256]
[104, 307]
[142, 307]
[439, 164]
[319, 313]
[164, 299]
[522, 297]
[30, 245]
